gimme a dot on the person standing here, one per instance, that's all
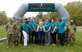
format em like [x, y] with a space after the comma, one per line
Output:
[35, 25]
[25, 31]
[72, 33]
[41, 35]
[17, 31]
[47, 32]
[10, 33]
[53, 32]
[61, 30]
[31, 30]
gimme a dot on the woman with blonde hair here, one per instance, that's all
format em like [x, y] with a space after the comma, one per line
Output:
[41, 35]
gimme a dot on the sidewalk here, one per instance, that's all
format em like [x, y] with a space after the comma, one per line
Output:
[1, 39]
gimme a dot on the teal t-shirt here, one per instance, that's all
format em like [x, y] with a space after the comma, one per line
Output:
[31, 26]
[53, 26]
[61, 26]
[47, 26]
[25, 27]
[35, 25]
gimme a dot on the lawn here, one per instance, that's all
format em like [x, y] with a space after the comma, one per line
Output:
[36, 48]
[2, 32]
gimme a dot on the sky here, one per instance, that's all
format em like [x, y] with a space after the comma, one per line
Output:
[11, 6]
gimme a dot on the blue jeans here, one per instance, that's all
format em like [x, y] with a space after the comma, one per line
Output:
[41, 37]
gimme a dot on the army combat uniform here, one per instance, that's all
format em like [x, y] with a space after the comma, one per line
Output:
[66, 32]
[71, 34]
[10, 33]
[17, 32]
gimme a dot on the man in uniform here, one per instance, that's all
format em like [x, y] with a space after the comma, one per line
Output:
[17, 31]
[71, 34]
[10, 32]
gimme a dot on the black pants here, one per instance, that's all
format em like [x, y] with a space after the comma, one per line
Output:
[53, 36]
[30, 37]
[35, 37]
[21, 36]
[66, 36]
[62, 37]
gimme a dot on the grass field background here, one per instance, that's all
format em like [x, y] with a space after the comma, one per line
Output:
[2, 32]
[36, 48]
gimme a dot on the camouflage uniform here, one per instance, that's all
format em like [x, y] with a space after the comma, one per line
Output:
[10, 33]
[17, 31]
[66, 32]
[71, 34]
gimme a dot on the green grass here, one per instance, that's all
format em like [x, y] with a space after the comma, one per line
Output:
[36, 48]
[2, 32]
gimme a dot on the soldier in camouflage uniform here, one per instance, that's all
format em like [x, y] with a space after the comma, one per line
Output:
[17, 32]
[10, 32]
[72, 31]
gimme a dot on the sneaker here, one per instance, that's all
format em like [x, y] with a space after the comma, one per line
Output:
[46, 44]
[54, 44]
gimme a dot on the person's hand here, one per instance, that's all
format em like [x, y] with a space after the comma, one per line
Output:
[45, 31]
[52, 32]
[36, 31]
[56, 27]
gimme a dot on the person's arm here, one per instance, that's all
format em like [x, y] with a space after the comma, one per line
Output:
[49, 29]
[6, 27]
[34, 28]
[37, 28]
[30, 27]
[43, 28]
[54, 29]
[75, 28]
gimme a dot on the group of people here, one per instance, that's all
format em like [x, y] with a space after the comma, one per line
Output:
[41, 32]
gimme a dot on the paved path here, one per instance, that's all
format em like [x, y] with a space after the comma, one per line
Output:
[1, 39]
[79, 28]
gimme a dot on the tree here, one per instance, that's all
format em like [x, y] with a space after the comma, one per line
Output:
[75, 11]
[39, 16]
[49, 15]
[53, 15]
[3, 18]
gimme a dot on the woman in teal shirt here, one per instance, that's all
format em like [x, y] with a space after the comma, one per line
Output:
[35, 25]
[53, 32]
[47, 32]
[31, 31]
